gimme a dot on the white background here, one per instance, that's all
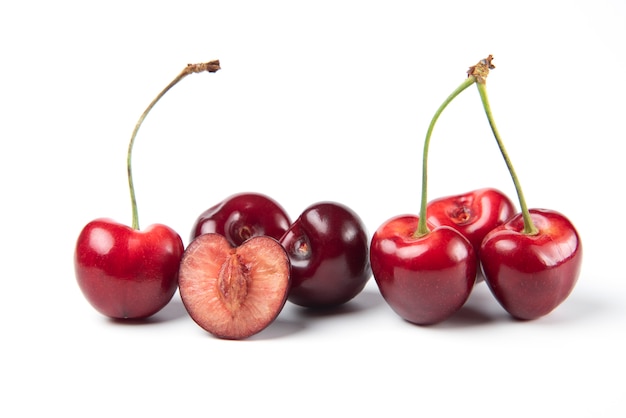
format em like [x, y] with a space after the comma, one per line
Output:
[324, 100]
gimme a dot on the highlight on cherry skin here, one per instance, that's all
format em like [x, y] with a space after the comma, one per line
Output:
[242, 216]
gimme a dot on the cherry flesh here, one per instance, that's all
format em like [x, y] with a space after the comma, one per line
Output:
[242, 216]
[328, 249]
[234, 292]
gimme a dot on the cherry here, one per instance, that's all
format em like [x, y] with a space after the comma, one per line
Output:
[328, 249]
[532, 262]
[531, 274]
[424, 278]
[242, 216]
[234, 292]
[125, 272]
[473, 214]
[424, 272]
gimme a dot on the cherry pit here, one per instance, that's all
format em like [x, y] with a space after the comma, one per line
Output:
[247, 257]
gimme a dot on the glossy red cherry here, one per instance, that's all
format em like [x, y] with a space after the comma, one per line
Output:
[243, 216]
[424, 279]
[532, 262]
[126, 273]
[473, 214]
[424, 272]
[531, 274]
[328, 249]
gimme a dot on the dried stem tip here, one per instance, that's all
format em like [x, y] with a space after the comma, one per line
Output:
[481, 70]
[211, 66]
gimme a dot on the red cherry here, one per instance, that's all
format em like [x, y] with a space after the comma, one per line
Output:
[424, 272]
[424, 279]
[531, 262]
[126, 273]
[328, 249]
[243, 216]
[473, 214]
[531, 274]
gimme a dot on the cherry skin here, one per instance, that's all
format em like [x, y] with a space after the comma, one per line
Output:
[328, 249]
[424, 279]
[473, 214]
[126, 273]
[242, 216]
[531, 274]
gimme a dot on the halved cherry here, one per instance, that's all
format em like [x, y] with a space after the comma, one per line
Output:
[234, 292]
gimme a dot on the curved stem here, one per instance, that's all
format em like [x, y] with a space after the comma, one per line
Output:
[422, 227]
[211, 66]
[529, 226]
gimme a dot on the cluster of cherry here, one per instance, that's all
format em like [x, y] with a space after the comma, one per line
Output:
[246, 257]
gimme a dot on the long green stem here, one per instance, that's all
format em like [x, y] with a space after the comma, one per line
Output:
[529, 226]
[422, 227]
[211, 66]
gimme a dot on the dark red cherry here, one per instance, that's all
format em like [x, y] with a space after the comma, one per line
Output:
[328, 249]
[242, 216]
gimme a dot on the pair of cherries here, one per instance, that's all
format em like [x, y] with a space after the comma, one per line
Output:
[246, 258]
[327, 244]
[426, 266]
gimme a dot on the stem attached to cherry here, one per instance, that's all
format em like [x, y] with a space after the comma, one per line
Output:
[211, 66]
[476, 73]
[529, 226]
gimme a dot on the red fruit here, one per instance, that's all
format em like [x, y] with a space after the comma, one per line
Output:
[234, 292]
[424, 279]
[242, 216]
[127, 273]
[328, 249]
[531, 274]
[473, 214]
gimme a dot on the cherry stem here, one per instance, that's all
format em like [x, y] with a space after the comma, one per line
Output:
[422, 227]
[211, 66]
[529, 226]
